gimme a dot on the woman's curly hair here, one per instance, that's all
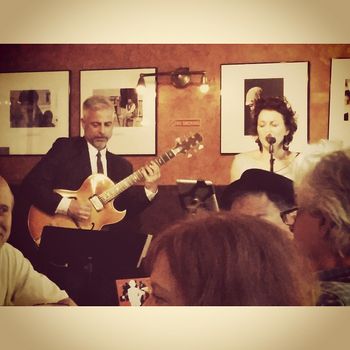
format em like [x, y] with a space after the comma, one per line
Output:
[280, 105]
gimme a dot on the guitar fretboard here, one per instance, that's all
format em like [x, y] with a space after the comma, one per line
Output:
[134, 178]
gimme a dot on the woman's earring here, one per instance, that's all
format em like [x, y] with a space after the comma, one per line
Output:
[285, 144]
[259, 144]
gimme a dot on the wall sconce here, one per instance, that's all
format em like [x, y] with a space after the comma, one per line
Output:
[180, 78]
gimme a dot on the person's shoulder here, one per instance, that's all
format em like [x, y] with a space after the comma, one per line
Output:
[10, 251]
[118, 160]
[69, 142]
[242, 162]
[7, 247]
[116, 157]
[250, 155]
[292, 156]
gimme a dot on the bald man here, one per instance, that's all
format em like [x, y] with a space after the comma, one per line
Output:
[20, 284]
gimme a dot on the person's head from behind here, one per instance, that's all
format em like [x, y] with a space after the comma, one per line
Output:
[260, 193]
[322, 223]
[6, 206]
[98, 120]
[219, 259]
[274, 116]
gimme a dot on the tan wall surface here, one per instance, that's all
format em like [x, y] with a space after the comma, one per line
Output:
[174, 104]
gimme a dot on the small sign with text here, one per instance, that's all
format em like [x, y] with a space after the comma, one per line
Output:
[187, 122]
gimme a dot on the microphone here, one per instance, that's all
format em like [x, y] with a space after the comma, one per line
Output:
[270, 139]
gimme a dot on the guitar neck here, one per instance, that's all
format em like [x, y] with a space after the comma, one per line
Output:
[134, 178]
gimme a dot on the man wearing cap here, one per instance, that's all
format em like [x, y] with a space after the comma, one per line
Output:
[260, 193]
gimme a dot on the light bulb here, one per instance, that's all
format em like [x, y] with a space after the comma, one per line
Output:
[141, 86]
[141, 90]
[204, 87]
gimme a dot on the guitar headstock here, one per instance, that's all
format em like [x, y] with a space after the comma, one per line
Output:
[189, 144]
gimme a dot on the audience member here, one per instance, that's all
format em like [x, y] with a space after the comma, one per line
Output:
[260, 193]
[322, 223]
[20, 284]
[221, 259]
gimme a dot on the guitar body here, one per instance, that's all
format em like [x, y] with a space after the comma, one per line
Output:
[99, 191]
[94, 185]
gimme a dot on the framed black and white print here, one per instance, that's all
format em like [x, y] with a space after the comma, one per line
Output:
[241, 84]
[135, 124]
[34, 111]
[339, 116]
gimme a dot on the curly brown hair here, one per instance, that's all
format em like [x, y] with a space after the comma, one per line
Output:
[280, 105]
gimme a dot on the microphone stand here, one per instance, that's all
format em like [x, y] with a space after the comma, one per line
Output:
[272, 160]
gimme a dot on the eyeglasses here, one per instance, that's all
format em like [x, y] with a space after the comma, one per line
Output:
[289, 216]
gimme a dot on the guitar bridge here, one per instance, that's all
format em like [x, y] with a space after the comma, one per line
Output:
[96, 202]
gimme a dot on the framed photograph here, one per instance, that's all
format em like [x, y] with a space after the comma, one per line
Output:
[135, 129]
[339, 116]
[133, 291]
[34, 111]
[241, 84]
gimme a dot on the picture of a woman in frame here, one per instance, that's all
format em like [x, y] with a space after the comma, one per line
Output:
[255, 89]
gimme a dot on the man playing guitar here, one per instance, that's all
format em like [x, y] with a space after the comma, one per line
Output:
[71, 161]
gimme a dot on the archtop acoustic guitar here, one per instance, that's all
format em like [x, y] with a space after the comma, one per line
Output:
[100, 191]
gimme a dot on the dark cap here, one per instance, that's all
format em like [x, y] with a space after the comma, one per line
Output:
[257, 180]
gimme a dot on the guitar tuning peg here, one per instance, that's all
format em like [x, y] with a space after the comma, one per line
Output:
[200, 147]
[178, 139]
[189, 155]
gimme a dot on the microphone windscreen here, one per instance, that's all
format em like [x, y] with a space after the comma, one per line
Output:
[270, 139]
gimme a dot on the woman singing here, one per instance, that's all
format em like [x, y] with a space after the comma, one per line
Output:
[274, 125]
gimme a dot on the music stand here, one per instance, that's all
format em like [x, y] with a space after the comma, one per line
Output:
[197, 195]
[86, 263]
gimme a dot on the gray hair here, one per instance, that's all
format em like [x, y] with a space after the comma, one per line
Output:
[310, 156]
[97, 102]
[326, 189]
